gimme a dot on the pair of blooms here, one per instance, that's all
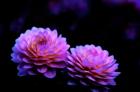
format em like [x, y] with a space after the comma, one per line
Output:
[42, 51]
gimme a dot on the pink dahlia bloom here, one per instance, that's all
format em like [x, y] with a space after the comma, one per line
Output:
[92, 66]
[40, 51]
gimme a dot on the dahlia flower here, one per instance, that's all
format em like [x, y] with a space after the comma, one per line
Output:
[92, 66]
[40, 51]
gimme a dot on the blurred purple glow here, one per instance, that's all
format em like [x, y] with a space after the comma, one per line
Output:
[54, 7]
[131, 32]
[135, 3]
[79, 7]
[73, 27]
[17, 24]
[115, 1]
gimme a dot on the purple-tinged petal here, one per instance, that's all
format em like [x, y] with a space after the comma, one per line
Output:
[102, 82]
[78, 76]
[70, 63]
[40, 47]
[91, 78]
[112, 82]
[42, 69]
[22, 73]
[27, 66]
[83, 83]
[71, 83]
[71, 75]
[57, 65]
[71, 69]
[31, 72]
[89, 63]
[50, 74]
[114, 74]
[26, 60]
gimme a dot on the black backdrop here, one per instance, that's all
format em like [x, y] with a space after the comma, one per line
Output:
[104, 25]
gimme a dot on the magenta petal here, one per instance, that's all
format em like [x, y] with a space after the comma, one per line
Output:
[22, 73]
[78, 76]
[71, 83]
[70, 74]
[95, 90]
[57, 65]
[20, 67]
[27, 66]
[114, 74]
[38, 64]
[112, 82]
[25, 60]
[70, 58]
[78, 69]
[90, 63]
[91, 78]
[83, 83]
[42, 69]
[14, 58]
[70, 63]
[50, 74]
[102, 82]
[113, 68]
[39, 47]
[86, 63]
[31, 73]
[71, 69]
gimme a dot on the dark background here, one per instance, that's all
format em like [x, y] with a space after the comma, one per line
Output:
[104, 25]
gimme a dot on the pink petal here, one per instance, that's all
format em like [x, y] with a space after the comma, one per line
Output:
[70, 63]
[27, 66]
[42, 69]
[31, 73]
[71, 83]
[26, 60]
[39, 64]
[112, 82]
[22, 73]
[78, 76]
[95, 90]
[83, 83]
[113, 68]
[91, 78]
[102, 82]
[50, 74]
[57, 64]
[72, 75]
[78, 69]
[114, 74]
[71, 69]
[86, 63]
[70, 58]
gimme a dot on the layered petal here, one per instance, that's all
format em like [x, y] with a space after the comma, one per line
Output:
[92, 65]
[39, 50]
